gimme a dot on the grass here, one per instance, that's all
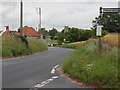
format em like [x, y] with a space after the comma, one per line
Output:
[54, 42]
[111, 39]
[74, 45]
[36, 45]
[13, 46]
[87, 65]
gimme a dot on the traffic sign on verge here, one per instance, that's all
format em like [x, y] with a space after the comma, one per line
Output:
[99, 30]
[116, 10]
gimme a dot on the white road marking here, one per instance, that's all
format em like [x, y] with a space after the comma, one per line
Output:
[45, 82]
[53, 70]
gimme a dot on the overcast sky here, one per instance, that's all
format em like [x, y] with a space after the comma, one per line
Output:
[55, 13]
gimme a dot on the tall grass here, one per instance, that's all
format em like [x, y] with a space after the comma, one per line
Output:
[90, 67]
[36, 45]
[13, 46]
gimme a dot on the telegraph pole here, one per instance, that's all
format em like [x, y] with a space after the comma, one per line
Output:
[21, 17]
[39, 12]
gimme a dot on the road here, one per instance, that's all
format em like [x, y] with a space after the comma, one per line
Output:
[34, 71]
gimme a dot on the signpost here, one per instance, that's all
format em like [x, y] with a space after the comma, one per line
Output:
[99, 30]
[112, 10]
[99, 27]
[99, 33]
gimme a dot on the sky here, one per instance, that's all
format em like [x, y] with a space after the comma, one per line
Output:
[55, 13]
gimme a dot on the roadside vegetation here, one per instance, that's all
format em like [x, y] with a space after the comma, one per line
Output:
[13, 46]
[111, 39]
[91, 67]
[74, 45]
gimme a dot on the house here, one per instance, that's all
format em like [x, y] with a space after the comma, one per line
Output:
[7, 31]
[1, 32]
[26, 31]
[29, 32]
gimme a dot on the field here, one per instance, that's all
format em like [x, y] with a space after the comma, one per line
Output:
[111, 39]
[91, 67]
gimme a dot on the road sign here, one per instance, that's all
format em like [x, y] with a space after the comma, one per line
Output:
[116, 10]
[99, 30]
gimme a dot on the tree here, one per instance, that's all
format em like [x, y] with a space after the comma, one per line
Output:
[60, 37]
[110, 22]
[52, 33]
[73, 35]
[43, 31]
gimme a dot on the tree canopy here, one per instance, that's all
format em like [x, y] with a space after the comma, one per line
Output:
[110, 22]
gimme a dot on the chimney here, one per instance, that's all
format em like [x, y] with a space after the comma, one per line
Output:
[7, 28]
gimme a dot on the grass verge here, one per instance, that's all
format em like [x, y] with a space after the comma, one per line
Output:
[74, 45]
[87, 65]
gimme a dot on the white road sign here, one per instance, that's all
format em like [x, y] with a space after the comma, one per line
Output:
[111, 10]
[99, 30]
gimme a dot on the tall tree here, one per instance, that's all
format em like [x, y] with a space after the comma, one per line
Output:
[53, 32]
[110, 22]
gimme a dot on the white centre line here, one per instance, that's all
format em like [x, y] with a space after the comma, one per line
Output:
[45, 82]
[42, 84]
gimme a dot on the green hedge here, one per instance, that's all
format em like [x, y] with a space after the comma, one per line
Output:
[13, 46]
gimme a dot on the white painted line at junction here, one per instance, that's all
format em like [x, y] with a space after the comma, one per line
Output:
[53, 70]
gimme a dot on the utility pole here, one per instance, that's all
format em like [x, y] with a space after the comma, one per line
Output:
[39, 12]
[21, 17]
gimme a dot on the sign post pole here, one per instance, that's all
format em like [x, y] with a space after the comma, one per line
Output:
[100, 30]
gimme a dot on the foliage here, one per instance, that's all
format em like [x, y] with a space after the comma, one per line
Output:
[53, 32]
[13, 46]
[73, 35]
[36, 45]
[43, 31]
[87, 65]
[110, 22]
[60, 37]
[74, 45]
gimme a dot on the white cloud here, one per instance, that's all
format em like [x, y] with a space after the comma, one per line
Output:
[54, 14]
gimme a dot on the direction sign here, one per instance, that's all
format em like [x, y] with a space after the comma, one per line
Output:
[117, 10]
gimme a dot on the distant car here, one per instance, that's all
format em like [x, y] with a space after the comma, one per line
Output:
[49, 44]
[67, 42]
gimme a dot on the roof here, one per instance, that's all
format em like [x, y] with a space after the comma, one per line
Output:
[29, 31]
[16, 33]
[7, 32]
